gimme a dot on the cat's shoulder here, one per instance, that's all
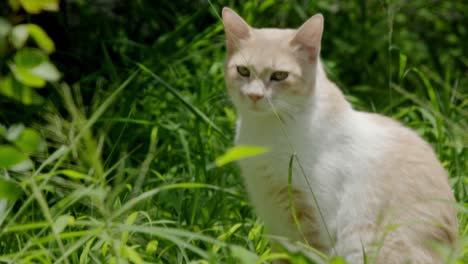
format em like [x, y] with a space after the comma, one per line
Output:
[396, 134]
[381, 120]
[382, 127]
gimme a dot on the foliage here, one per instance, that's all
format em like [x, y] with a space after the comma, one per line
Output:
[140, 118]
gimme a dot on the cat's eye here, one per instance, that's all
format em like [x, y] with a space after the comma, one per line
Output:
[279, 76]
[243, 71]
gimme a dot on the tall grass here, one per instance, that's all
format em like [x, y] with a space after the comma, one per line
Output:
[129, 173]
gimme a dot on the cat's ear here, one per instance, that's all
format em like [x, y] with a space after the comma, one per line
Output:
[236, 29]
[309, 36]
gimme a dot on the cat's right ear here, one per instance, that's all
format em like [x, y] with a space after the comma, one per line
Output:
[235, 28]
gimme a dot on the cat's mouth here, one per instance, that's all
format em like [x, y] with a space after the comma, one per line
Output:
[257, 109]
[254, 107]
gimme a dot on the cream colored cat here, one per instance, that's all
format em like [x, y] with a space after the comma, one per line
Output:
[367, 171]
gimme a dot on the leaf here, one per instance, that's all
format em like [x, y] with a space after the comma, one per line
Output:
[14, 131]
[239, 152]
[243, 255]
[402, 65]
[19, 35]
[26, 78]
[37, 6]
[132, 255]
[33, 68]
[337, 260]
[23, 166]
[62, 222]
[5, 28]
[29, 58]
[84, 254]
[76, 175]
[47, 71]
[2, 131]
[152, 247]
[10, 156]
[41, 38]
[30, 141]
[11, 88]
[131, 218]
[9, 190]
[14, 4]
[104, 248]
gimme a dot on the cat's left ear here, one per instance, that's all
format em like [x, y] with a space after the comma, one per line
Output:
[236, 29]
[309, 36]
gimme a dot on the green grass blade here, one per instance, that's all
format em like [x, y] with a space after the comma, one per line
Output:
[184, 101]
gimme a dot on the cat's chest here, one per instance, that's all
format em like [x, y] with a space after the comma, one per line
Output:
[282, 144]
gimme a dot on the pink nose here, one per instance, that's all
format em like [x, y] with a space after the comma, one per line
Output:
[255, 97]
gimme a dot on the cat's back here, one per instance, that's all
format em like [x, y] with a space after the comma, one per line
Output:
[406, 157]
[413, 181]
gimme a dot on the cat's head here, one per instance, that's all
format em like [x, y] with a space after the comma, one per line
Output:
[270, 66]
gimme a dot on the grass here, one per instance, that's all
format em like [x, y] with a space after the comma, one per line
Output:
[129, 175]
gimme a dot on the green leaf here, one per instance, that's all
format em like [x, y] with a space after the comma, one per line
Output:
[41, 38]
[23, 166]
[9, 190]
[104, 248]
[25, 77]
[37, 6]
[14, 131]
[239, 152]
[29, 58]
[11, 88]
[131, 218]
[14, 4]
[5, 28]
[75, 175]
[245, 256]
[10, 156]
[47, 71]
[2, 130]
[401, 70]
[32, 67]
[62, 222]
[30, 141]
[337, 260]
[19, 35]
[132, 255]
[84, 254]
[152, 247]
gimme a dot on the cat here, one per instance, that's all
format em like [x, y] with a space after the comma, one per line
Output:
[361, 182]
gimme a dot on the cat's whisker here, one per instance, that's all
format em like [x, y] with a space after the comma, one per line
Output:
[283, 107]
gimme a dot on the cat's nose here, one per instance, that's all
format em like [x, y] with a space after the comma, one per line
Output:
[255, 97]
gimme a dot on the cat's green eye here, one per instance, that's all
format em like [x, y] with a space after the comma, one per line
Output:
[243, 71]
[279, 76]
